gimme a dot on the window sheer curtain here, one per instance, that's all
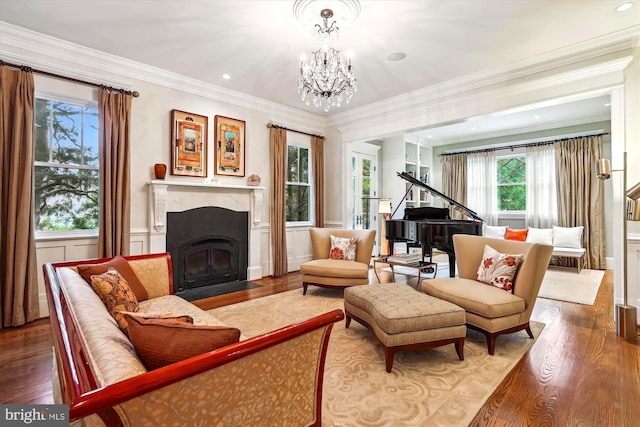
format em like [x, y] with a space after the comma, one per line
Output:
[580, 198]
[482, 189]
[18, 268]
[278, 141]
[317, 158]
[454, 180]
[542, 206]
[114, 115]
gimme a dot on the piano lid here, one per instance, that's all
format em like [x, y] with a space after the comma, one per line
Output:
[433, 191]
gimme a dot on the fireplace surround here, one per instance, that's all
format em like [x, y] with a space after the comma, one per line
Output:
[167, 197]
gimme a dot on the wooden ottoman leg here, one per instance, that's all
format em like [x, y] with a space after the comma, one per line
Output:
[460, 348]
[389, 354]
[347, 319]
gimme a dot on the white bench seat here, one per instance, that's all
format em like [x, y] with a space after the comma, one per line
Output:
[578, 253]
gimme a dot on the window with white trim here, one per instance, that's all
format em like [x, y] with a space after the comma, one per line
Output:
[66, 188]
[512, 183]
[298, 187]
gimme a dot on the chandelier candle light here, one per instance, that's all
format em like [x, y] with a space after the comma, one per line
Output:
[327, 78]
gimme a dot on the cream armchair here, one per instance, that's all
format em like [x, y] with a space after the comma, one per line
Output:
[489, 309]
[335, 273]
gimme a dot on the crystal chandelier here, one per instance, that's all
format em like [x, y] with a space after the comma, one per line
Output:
[327, 78]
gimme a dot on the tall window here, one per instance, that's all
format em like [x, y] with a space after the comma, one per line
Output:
[298, 185]
[512, 183]
[66, 164]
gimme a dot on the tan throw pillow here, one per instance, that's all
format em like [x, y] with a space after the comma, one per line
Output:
[343, 248]
[115, 293]
[122, 265]
[159, 343]
[498, 269]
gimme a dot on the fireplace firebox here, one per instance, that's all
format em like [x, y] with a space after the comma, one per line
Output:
[208, 247]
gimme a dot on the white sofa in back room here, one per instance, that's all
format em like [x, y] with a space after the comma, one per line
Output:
[566, 241]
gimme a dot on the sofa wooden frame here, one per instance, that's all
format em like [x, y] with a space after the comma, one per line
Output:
[78, 382]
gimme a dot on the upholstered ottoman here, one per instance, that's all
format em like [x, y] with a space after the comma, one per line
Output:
[404, 319]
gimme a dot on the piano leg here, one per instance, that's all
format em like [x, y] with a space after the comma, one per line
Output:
[452, 265]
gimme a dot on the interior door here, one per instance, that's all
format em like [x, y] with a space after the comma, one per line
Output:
[364, 181]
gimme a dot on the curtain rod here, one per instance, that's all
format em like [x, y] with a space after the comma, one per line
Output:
[529, 144]
[135, 94]
[271, 125]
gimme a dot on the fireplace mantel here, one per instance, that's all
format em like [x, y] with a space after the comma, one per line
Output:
[159, 189]
[177, 196]
[212, 185]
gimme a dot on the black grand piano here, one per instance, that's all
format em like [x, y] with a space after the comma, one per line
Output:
[432, 227]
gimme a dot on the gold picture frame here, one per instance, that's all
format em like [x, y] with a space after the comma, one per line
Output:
[229, 146]
[189, 144]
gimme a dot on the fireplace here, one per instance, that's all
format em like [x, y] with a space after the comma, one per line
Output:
[208, 247]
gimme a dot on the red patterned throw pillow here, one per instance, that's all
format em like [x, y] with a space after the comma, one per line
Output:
[343, 248]
[498, 269]
[159, 342]
[115, 293]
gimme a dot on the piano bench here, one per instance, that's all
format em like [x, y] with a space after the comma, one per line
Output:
[402, 318]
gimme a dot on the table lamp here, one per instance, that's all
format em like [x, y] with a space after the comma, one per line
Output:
[384, 209]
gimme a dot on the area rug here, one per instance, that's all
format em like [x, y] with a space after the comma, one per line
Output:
[566, 284]
[430, 387]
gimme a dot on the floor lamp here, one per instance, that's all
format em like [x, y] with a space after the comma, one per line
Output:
[384, 209]
[626, 317]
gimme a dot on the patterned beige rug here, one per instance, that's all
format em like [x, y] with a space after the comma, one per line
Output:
[425, 388]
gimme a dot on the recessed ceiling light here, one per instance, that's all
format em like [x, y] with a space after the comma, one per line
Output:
[397, 56]
[473, 128]
[608, 104]
[624, 6]
[536, 117]
[226, 76]
[429, 136]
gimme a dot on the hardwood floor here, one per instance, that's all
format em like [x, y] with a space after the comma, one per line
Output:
[578, 373]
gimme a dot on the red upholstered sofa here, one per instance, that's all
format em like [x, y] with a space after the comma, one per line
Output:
[273, 379]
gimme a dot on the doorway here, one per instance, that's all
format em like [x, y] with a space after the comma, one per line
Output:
[364, 187]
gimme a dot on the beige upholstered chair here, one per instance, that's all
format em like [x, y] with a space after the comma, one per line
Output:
[335, 273]
[490, 309]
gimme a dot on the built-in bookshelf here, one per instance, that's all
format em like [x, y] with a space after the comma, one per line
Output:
[418, 164]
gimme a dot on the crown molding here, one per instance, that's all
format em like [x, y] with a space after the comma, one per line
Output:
[417, 112]
[524, 130]
[59, 56]
[402, 105]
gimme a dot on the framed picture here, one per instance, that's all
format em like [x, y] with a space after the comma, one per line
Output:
[229, 146]
[188, 144]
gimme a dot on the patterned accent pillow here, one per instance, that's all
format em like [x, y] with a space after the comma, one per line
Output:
[159, 343]
[122, 265]
[343, 248]
[498, 269]
[115, 293]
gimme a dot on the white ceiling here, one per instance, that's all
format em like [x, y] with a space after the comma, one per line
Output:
[259, 43]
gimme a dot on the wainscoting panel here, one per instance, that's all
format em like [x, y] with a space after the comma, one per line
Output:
[57, 251]
[298, 247]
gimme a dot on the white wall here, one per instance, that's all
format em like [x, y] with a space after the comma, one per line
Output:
[585, 73]
[150, 135]
[589, 75]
